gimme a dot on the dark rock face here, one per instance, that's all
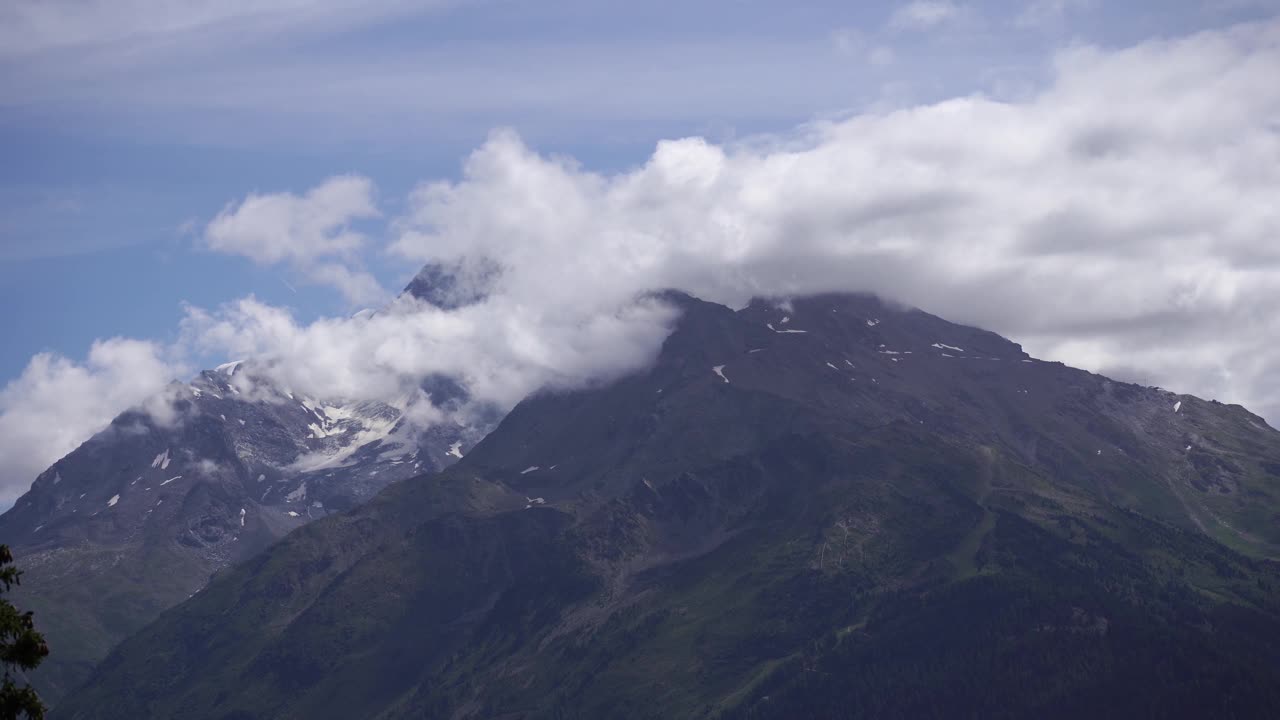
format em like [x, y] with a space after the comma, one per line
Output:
[827, 508]
[452, 287]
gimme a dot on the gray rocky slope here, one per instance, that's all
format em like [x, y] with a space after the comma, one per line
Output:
[140, 516]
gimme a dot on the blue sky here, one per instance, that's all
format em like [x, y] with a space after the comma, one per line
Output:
[128, 126]
[112, 145]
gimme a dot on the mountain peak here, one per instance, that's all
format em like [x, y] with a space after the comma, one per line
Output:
[800, 510]
[451, 286]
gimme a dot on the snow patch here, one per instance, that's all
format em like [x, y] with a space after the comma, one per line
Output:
[944, 346]
[1177, 406]
[166, 482]
[455, 449]
[293, 514]
[771, 327]
[719, 370]
[356, 437]
[833, 367]
[529, 469]
[114, 499]
[162, 458]
[299, 494]
[241, 517]
[337, 414]
[873, 322]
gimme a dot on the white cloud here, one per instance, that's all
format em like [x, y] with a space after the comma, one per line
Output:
[924, 14]
[1122, 219]
[311, 233]
[1119, 219]
[501, 349]
[56, 404]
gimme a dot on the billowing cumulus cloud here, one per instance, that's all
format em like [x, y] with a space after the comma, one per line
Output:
[1088, 226]
[1122, 219]
[56, 403]
[500, 349]
[311, 233]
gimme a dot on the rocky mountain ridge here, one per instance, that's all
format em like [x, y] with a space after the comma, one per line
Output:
[140, 516]
[816, 507]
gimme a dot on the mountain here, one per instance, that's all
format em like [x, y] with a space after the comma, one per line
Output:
[831, 507]
[453, 286]
[140, 516]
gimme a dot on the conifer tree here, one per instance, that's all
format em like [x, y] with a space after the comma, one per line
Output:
[22, 648]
